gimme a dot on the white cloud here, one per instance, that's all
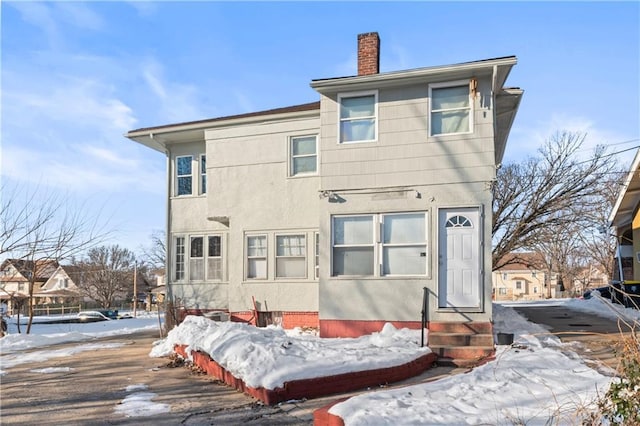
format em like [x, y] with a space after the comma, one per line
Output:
[525, 141]
[177, 101]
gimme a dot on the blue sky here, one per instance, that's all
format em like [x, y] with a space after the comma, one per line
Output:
[76, 76]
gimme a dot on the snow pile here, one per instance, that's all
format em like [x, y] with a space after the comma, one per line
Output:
[269, 357]
[523, 386]
[535, 381]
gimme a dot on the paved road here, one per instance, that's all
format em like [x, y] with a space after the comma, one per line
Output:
[89, 393]
[594, 337]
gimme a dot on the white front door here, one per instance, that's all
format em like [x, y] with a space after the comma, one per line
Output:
[459, 283]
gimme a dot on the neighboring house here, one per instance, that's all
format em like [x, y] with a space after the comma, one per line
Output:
[524, 277]
[625, 219]
[338, 214]
[589, 278]
[15, 275]
[62, 286]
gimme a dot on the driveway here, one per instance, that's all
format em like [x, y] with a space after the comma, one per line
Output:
[94, 384]
[594, 337]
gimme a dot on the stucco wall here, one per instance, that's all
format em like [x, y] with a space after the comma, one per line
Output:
[250, 176]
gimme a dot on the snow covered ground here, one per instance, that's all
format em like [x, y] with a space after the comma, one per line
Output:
[536, 380]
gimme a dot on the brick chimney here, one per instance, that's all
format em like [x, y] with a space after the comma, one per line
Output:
[368, 54]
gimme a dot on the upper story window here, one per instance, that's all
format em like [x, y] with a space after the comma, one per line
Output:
[304, 155]
[184, 176]
[203, 174]
[358, 117]
[450, 108]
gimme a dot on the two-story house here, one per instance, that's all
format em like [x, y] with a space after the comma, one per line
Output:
[524, 276]
[346, 213]
[16, 276]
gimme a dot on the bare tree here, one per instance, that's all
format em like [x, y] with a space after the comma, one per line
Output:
[41, 228]
[156, 253]
[551, 193]
[107, 274]
[600, 244]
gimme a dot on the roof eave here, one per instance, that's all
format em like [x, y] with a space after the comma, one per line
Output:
[407, 76]
[618, 217]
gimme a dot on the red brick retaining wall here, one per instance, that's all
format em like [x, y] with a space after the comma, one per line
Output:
[316, 387]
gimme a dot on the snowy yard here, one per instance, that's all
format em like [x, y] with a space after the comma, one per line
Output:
[537, 379]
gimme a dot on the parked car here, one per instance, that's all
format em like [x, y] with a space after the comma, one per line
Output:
[605, 292]
[93, 316]
[631, 294]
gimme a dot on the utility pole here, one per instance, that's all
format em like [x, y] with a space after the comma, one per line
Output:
[135, 288]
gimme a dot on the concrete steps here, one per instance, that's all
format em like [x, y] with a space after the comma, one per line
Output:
[462, 344]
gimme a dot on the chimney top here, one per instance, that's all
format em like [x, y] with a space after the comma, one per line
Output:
[368, 53]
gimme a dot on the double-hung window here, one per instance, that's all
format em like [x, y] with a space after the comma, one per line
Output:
[404, 247]
[257, 256]
[184, 175]
[179, 265]
[214, 257]
[196, 259]
[353, 245]
[450, 108]
[203, 174]
[304, 155]
[358, 113]
[291, 253]
[398, 249]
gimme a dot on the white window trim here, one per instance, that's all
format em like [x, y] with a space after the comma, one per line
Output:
[176, 177]
[463, 82]
[378, 245]
[209, 256]
[265, 257]
[383, 244]
[175, 258]
[316, 255]
[304, 256]
[290, 156]
[202, 258]
[203, 175]
[375, 111]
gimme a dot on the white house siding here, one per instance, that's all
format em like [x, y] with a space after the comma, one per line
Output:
[447, 171]
[188, 217]
[248, 171]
